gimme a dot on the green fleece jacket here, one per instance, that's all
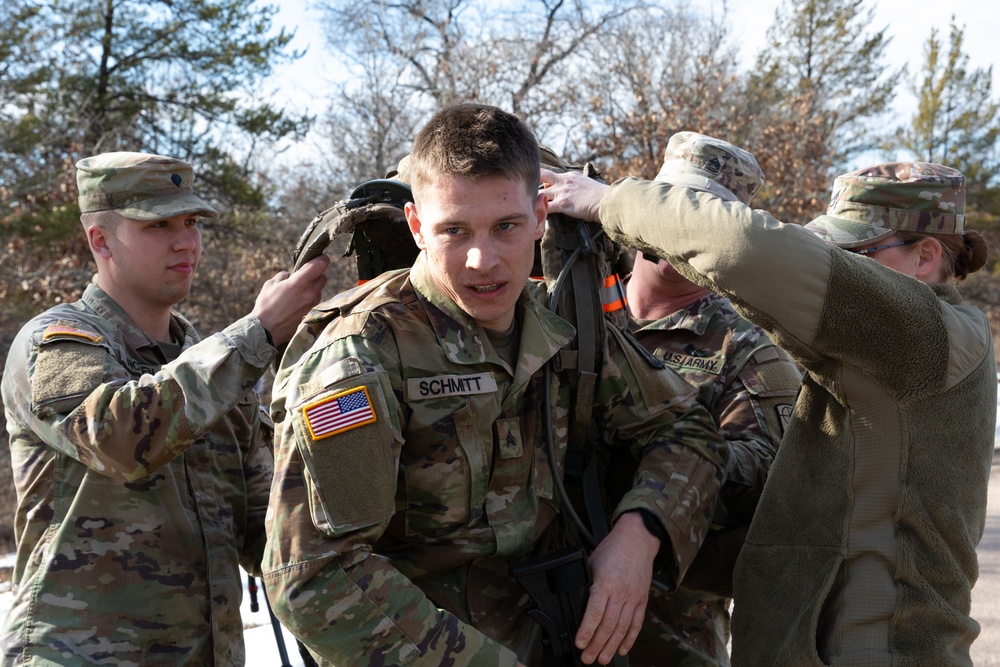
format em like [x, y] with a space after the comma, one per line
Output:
[863, 547]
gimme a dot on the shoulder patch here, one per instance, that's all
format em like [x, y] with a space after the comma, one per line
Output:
[70, 369]
[62, 331]
[783, 413]
[339, 413]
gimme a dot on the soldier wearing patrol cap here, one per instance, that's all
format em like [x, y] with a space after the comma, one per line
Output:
[745, 381]
[863, 546]
[141, 457]
[410, 466]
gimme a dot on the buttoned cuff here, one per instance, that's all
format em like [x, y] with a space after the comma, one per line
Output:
[252, 341]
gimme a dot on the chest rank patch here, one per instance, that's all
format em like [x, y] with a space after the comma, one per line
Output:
[54, 330]
[338, 413]
[418, 389]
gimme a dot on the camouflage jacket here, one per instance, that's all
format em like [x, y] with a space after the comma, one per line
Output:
[746, 382]
[863, 546]
[411, 472]
[748, 385]
[142, 486]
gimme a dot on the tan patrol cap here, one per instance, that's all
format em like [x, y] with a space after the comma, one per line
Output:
[873, 203]
[139, 186]
[711, 165]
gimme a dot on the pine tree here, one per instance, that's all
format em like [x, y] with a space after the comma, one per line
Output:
[177, 77]
[822, 50]
[957, 121]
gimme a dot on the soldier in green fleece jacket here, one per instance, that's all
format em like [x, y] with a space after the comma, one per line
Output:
[863, 547]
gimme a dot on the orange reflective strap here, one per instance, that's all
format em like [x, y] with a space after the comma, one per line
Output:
[613, 294]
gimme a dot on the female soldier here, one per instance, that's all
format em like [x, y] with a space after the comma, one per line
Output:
[863, 547]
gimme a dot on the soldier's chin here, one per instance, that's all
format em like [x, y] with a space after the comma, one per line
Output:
[494, 316]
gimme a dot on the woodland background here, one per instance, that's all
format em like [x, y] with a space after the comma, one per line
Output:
[607, 82]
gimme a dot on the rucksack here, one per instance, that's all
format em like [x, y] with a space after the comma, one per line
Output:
[372, 224]
[573, 257]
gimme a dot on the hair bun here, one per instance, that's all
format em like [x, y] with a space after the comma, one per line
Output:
[975, 255]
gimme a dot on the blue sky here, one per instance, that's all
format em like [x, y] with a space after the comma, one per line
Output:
[305, 83]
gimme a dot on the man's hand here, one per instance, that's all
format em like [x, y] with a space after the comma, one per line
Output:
[622, 566]
[286, 298]
[573, 194]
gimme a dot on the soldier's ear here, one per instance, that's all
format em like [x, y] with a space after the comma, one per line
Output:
[541, 213]
[97, 238]
[928, 259]
[413, 221]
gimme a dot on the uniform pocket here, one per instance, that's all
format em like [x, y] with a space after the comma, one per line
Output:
[445, 473]
[346, 441]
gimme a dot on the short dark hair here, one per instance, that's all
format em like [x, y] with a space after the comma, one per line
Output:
[475, 141]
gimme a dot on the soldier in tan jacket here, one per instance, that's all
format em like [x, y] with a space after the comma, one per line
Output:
[863, 547]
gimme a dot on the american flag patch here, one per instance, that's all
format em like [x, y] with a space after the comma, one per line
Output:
[338, 413]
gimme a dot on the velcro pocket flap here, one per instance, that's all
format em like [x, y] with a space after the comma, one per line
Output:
[70, 364]
[346, 440]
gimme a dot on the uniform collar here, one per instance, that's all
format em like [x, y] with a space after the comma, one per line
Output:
[463, 340]
[947, 293]
[132, 336]
[696, 318]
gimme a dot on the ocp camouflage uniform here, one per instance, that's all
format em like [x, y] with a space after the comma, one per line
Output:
[142, 485]
[749, 385]
[411, 472]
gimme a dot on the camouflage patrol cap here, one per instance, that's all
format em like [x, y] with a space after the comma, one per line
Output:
[872, 203]
[139, 186]
[711, 165]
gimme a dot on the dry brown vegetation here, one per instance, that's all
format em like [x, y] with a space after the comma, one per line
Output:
[228, 281]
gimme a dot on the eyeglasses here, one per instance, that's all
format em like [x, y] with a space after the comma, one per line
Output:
[868, 251]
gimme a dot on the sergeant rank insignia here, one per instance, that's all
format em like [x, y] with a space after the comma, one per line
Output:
[338, 413]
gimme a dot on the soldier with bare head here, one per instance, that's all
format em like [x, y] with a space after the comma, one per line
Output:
[411, 470]
[141, 458]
